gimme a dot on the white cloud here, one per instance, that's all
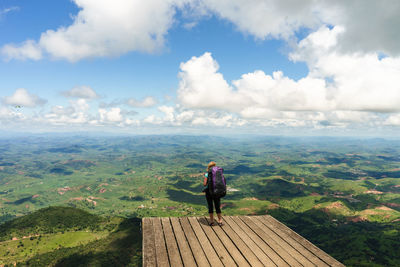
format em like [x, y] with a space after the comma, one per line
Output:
[26, 50]
[151, 119]
[185, 116]
[179, 116]
[278, 92]
[359, 81]
[347, 83]
[269, 18]
[9, 115]
[130, 122]
[104, 29]
[200, 121]
[169, 115]
[370, 25]
[393, 120]
[129, 112]
[167, 119]
[22, 97]
[145, 103]
[202, 86]
[340, 88]
[83, 91]
[76, 113]
[79, 113]
[352, 116]
[101, 29]
[112, 115]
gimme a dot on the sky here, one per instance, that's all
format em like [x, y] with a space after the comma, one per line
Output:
[200, 66]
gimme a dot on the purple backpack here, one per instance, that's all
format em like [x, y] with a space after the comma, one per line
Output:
[216, 182]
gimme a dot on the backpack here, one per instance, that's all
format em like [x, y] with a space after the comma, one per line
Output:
[216, 182]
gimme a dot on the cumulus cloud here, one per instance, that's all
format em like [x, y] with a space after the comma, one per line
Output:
[264, 19]
[151, 119]
[26, 50]
[80, 113]
[370, 25]
[101, 29]
[168, 113]
[112, 115]
[392, 120]
[202, 86]
[181, 116]
[167, 119]
[8, 115]
[76, 113]
[340, 88]
[22, 97]
[85, 92]
[348, 81]
[145, 103]
[358, 81]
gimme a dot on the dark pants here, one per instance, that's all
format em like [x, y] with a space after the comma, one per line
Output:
[217, 204]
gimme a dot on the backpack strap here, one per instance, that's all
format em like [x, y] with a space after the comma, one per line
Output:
[209, 180]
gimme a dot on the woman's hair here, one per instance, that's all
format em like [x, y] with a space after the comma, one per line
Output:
[210, 165]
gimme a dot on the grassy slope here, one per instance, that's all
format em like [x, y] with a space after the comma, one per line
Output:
[23, 249]
[120, 248]
[64, 236]
[49, 220]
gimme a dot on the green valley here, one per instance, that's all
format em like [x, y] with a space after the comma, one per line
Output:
[79, 199]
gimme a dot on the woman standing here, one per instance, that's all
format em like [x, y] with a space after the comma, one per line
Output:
[212, 201]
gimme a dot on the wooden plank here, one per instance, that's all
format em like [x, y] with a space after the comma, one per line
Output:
[305, 252]
[249, 242]
[170, 241]
[149, 254]
[272, 243]
[194, 244]
[161, 249]
[241, 245]
[285, 245]
[218, 246]
[241, 241]
[307, 244]
[276, 258]
[230, 246]
[208, 249]
[184, 249]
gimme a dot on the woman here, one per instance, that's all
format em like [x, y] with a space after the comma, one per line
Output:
[210, 199]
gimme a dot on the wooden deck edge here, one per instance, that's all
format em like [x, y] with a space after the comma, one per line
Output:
[153, 230]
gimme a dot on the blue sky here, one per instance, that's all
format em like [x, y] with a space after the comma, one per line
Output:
[185, 66]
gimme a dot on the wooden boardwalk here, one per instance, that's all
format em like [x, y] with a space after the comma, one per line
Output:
[241, 241]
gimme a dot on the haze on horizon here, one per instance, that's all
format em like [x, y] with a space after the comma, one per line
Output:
[200, 67]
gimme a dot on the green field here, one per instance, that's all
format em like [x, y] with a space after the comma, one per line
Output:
[343, 194]
[23, 249]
